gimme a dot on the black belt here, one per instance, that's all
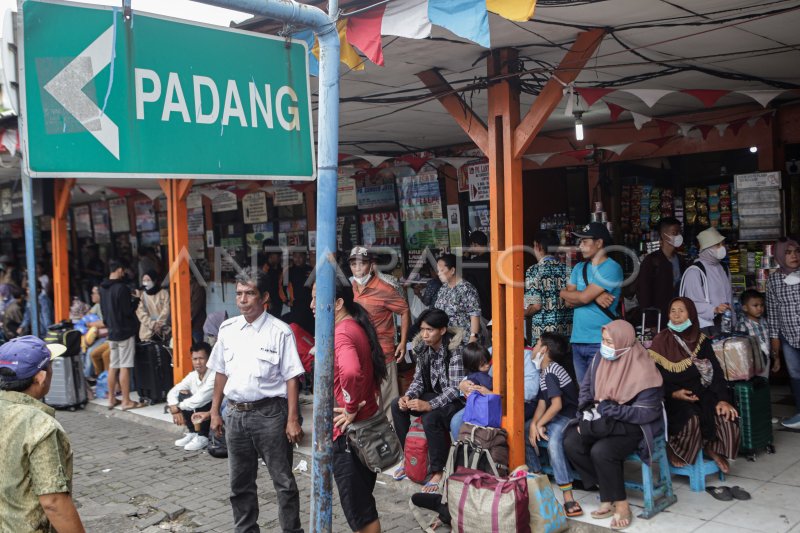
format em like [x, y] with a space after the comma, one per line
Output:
[249, 406]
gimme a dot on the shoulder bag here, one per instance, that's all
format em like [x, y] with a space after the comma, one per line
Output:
[375, 442]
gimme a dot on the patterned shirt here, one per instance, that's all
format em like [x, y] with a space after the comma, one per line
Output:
[430, 360]
[543, 283]
[783, 309]
[36, 460]
[460, 303]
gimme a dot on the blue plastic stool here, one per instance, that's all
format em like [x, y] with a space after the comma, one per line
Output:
[657, 493]
[698, 471]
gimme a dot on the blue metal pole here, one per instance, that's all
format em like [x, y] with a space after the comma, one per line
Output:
[324, 26]
[30, 251]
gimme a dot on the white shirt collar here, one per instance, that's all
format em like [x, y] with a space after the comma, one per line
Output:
[258, 323]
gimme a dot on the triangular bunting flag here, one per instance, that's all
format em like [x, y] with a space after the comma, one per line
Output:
[91, 189]
[616, 148]
[466, 18]
[640, 120]
[519, 10]
[413, 161]
[721, 128]
[540, 159]
[406, 18]
[592, 94]
[705, 129]
[374, 160]
[122, 192]
[664, 125]
[615, 111]
[456, 162]
[768, 118]
[660, 142]
[708, 97]
[649, 96]
[364, 32]
[737, 125]
[347, 53]
[762, 96]
[685, 128]
[151, 193]
[752, 121]
[580, 155]
[311, 40]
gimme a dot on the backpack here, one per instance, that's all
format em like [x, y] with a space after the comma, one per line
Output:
[415, 452]
[703, 278]
[480, 448]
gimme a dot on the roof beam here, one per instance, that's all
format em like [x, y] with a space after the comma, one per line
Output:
[571, 65]
[457, 107]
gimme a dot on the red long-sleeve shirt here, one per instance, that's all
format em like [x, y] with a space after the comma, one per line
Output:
[352, 380]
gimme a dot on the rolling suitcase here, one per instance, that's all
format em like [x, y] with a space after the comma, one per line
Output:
[67, 387]
[646, 334]
[755, 416]
[152, 371]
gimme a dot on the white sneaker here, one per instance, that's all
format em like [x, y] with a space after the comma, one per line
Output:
[186, 439]
[198, 443]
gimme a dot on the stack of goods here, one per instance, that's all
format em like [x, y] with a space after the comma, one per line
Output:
[766, 265]
[696, 206]
[599, 215]
[719, 206]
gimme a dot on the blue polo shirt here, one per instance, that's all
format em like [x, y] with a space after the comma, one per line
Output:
[589, 319]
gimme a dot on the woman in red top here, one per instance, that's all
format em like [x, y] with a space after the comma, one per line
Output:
[358, 372]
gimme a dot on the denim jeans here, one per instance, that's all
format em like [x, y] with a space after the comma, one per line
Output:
[555, 450]
[250, 434]
[791, 360]
[582, 355]
[455, 423]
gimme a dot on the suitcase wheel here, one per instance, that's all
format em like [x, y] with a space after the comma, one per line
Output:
[751, 457]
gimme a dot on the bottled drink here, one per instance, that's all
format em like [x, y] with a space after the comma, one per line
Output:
[727, 321]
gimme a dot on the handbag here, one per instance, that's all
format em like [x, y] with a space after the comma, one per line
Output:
[482, 503]
[547, 514]
[375, 442]
[484, 410]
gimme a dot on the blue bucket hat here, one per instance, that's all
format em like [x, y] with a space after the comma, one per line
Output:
[27, 355]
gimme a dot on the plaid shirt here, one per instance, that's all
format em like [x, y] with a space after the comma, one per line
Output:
[783, 309]
[447, 383]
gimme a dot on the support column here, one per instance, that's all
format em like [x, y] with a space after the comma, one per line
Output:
[179, 290]
[505, 208]
[60, 246]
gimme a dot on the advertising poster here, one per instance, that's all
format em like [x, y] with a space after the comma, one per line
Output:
[150, 238]
[254, 208]
[419, 197]
[380, 229]
[346, 195]
[195, 220]
[421, 234]
[223, 201]
[118, 210]
[100, 221]
[454, 225]
[478, 182]
[197, 246]
[287, 196]
[346, 232]
[463, 179]
[83, 221]
[194, 200]
[376, 196]
[478, 218]
[145, 215]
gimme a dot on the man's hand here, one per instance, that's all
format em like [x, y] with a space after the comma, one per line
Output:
[177, 419]
[342, 418]
[726, 410]
[685, 395]
[400, 352]
[420, 406]
[294, 432]
[721, 308]
[402, 403]
[605, 300]
[533, 436]
[217, 424]
[199, 418]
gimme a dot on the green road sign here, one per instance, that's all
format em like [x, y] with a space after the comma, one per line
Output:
[153, 97]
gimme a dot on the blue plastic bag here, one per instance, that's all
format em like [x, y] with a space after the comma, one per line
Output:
[483, 410]
[101, 388]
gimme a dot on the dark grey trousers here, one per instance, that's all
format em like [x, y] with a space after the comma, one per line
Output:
[254, 434]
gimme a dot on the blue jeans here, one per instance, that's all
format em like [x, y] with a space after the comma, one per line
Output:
[455, 423]
[555, 450]
[582, 355]
[791, 358]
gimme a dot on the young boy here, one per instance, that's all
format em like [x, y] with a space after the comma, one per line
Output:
[558, 403]
[751, 324]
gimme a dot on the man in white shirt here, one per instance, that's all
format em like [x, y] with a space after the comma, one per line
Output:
[193, 395]
[258, 371]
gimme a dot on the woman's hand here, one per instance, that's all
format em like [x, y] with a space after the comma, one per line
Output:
[343, 418]
[685, 395]
[726, 410]
[466, 387]
[541, 431]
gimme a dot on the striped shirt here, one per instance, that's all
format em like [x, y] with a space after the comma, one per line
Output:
[554, 381]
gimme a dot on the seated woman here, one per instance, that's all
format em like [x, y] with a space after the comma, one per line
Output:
[153, 311]
[699, 412]
[619, 413]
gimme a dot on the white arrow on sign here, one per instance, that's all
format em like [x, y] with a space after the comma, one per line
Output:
[67, 88]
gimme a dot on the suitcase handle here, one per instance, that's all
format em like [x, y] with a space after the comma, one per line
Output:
[646, 310]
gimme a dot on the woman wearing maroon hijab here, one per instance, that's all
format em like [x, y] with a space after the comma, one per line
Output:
[699, 413]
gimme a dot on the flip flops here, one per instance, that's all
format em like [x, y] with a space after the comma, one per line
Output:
[431, 487]
[135, 405]
[573, 509]
[399, 474]
[739, 493]
[722, 494]
[601, 513]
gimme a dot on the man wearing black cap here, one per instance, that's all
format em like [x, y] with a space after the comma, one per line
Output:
[593, 290]
[36, 462]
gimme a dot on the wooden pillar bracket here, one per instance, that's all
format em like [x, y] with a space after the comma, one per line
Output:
[457, 107]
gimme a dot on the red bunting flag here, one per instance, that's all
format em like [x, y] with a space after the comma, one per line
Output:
[660, 142]
[580, 155]
[705, 129]
[592, 94]
[615, 110]
[364, 32]
[414, 162]
[737, 125]
[664, 125]
[708, 97]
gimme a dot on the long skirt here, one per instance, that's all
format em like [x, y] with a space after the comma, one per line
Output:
[686, 444]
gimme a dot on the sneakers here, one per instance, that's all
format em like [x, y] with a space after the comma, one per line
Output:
[186, 439]
[792, 423]
[198, 443]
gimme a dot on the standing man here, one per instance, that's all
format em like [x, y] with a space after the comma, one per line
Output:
[593, 291]
[543, 283]
[272, 268]
[382, 302]
[119, 314]
[36, 461]
[477, 271]
[298, 291]
[660, 272]
[258, 370]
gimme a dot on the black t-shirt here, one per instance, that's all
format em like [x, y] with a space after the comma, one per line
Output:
[554, 381]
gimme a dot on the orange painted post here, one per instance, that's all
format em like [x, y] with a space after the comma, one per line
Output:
[505, 208]
[60, 248]
[179, 272]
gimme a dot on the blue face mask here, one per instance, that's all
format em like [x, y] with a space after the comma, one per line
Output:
[608, 352]
[680, 327]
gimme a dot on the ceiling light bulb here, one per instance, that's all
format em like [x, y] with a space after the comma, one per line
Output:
[578, 127]
[753, 149]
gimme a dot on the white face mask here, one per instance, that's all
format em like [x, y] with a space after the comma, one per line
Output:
[537, 360]
[792, 279]
[363, 279]
[721, 252]
[674, 240]
[148, 285]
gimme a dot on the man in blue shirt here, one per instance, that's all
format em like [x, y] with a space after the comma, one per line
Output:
[593, 291]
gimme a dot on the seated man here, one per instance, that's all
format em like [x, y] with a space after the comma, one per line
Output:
[193, 395]
[434, 391]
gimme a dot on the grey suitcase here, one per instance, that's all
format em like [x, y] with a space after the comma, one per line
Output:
[68, 387]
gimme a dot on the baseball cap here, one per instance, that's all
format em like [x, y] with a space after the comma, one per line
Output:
[28, 355]
[359, 252]
[594, 230]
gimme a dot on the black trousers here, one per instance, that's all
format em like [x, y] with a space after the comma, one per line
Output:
[437, 428]
[205, 427]
[600, 462]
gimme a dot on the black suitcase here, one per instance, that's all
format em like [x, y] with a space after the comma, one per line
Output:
[152, 372]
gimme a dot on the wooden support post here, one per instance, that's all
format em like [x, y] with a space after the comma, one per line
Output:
[505, 208]
[60, 248]
[179, 272]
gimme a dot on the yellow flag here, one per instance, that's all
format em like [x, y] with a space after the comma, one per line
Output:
[519, 10]
[347, 54]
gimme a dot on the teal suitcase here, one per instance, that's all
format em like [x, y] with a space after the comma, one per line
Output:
[755, 416]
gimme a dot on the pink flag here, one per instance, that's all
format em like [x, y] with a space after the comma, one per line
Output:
[364, 32]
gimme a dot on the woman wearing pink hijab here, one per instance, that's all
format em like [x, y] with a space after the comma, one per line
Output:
[783, 317]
